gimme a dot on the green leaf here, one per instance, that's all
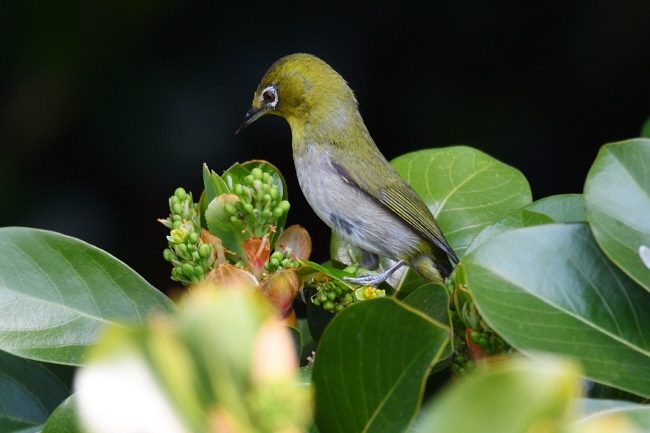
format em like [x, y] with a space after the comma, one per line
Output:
[433, 300]
[213, 184]
[550, 288]
[617, 197]
[517, 219]
[464, 188]
[57, 293]
[371, 365]
[231, 236]
[563, 208]
[511, 397]
[64, 418]
[29, 391]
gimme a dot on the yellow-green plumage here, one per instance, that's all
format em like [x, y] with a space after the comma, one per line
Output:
[344, 177]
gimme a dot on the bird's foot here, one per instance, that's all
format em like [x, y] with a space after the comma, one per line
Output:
[375, 279]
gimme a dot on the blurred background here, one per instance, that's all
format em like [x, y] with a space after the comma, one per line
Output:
[107, 107]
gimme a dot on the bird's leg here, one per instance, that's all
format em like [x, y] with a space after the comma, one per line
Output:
[375, 279]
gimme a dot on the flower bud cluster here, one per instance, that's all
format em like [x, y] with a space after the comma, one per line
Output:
[260, 203]
[279, 260]
[191, 257]
[334, 295]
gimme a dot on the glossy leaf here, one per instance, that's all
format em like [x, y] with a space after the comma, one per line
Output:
[213, 184]
[517, 219]
[57, 293]
[563, 208]
[64, 418]
[516, 396]
[29, 391]
[550, 288]
[231, 236]
[464, 188]
[371, 365]
[433, 300]
[617, 197]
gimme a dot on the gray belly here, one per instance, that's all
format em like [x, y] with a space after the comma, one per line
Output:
[351, 213]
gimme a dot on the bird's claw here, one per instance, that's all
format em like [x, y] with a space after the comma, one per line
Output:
[367, 279]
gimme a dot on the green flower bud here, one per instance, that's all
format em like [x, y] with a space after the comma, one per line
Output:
[339, 308]
[277, 255]
[248, 208]
[266, 214]
[266, 198]
[266, 177]
[352, 270]
[296, 264]
[267, 267]
[230, 208]
[169, 255]
[257, 173]
[188, 269]
[178, 208]
[182, 248]
[284, 205]
[248, 180]
[274, 193]
[278, 212]
[199, 271]
[194, 238]
[238, 189]
[274, 262]
[205, 250]
[196, 256]
[329, 305]
[315, 301]
[257, 185]
[174, 200]
[234, 219]
[285, 263]
[475, 336]
[180, 193]
[177, 218]
[331, 296]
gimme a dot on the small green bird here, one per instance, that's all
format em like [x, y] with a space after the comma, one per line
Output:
[344, 177]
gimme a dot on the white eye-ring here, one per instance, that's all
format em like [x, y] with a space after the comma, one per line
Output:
[270, 96]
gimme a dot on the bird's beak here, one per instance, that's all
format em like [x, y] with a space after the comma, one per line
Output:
[251, 116]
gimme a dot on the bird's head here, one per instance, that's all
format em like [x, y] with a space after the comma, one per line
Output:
[301, 88]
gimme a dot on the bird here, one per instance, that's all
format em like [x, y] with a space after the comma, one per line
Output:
[343, 175]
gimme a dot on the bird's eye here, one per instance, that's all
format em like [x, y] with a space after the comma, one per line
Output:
[270, 96]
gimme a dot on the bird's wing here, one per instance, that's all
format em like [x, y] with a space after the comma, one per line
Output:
[400, 198]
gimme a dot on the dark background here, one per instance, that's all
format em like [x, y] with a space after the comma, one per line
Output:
[107, 107]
